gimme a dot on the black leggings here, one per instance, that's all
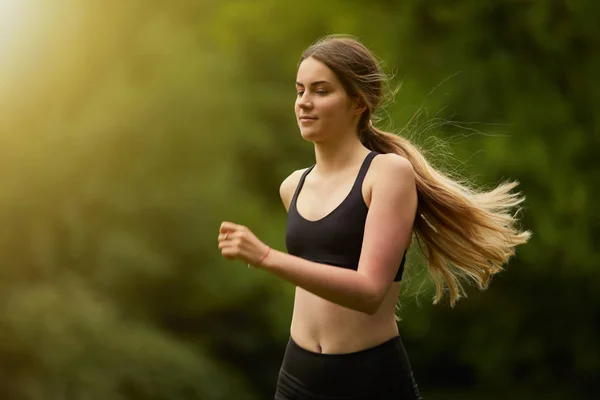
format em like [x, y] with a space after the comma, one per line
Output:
[382, 372]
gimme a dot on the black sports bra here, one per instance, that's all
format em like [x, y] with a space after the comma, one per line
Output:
[335, 239]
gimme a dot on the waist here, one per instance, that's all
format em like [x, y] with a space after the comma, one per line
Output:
[325, 327]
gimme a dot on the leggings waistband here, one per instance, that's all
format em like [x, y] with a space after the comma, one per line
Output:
[349, 375]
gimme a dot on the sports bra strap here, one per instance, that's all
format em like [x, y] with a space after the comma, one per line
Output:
[364, 168]
[357, 183]
[299, 187]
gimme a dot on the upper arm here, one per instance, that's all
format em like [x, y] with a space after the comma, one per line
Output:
[288, 187]
[389, 221]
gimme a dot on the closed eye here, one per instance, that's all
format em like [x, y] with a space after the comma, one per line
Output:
[319, 92]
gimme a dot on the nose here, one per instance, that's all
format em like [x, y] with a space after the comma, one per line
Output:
[304, 102]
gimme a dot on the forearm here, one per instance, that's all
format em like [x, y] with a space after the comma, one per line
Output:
[342, 286]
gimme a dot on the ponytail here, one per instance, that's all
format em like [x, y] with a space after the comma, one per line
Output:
[464, 234]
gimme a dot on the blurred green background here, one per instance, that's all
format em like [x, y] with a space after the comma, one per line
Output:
[130, 129]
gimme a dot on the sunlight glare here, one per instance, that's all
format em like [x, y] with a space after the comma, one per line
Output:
[16, 22]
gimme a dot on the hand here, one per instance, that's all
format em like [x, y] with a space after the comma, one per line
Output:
[238, 242]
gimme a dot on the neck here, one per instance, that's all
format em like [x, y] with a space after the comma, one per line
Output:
[336, 155]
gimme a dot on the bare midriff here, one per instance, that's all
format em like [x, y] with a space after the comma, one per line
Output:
[321, 326]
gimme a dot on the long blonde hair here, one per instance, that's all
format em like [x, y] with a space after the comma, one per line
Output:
[464, 234]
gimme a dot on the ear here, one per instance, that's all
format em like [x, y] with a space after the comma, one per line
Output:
[359, 106]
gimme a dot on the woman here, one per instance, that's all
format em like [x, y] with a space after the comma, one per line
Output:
[356, 209]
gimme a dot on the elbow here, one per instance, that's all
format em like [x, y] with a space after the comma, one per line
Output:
[372, 304]
[372, 308]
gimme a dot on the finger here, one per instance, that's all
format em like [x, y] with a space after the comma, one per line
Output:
[229, 253]
[230, 242]
[229, 236]
[228, 227]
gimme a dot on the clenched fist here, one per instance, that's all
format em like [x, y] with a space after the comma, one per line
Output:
[238, 242]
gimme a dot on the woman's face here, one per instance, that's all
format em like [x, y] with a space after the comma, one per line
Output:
[323, 108]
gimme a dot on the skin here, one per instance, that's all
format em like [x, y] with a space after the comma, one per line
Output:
[338, 310]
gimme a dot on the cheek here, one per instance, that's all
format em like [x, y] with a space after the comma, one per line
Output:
[335, 108]
[323, 104]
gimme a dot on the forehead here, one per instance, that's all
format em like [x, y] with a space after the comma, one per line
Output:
[312, 70]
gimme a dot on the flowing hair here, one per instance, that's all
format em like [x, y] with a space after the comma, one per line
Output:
[465, 234]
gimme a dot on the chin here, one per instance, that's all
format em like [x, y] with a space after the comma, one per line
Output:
[310, 134]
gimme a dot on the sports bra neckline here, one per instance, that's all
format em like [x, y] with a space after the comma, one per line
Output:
[358, 180]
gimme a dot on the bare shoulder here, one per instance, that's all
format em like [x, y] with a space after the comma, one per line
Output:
[288, 186]
[389, 168]
[389, 174]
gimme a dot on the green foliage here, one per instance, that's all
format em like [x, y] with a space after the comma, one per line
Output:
[130, 130]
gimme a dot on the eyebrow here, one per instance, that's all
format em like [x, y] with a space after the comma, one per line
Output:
[314, 83]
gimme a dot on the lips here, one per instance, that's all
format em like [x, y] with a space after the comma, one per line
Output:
[306, 118]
